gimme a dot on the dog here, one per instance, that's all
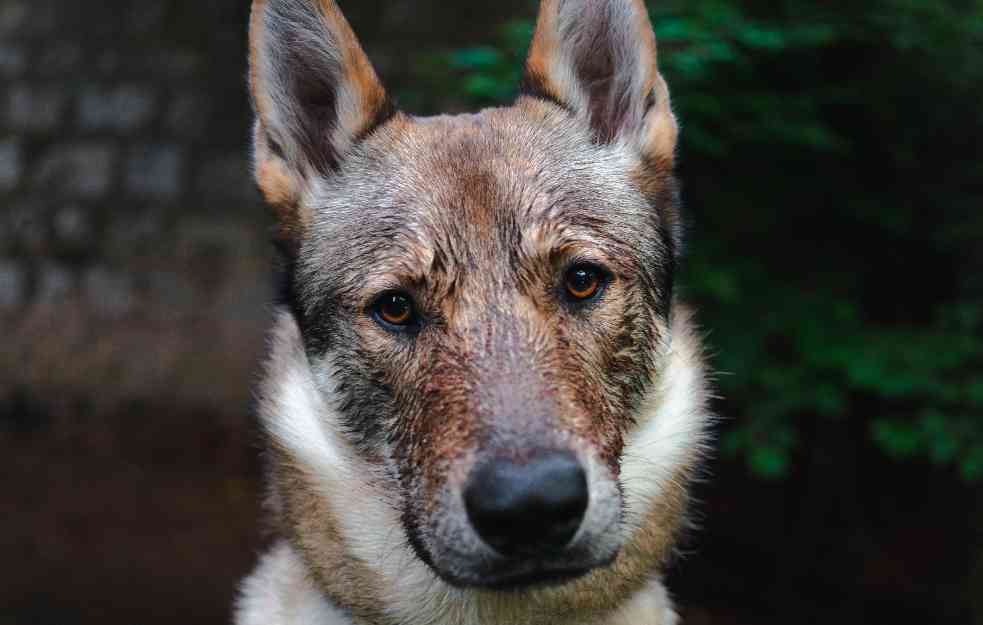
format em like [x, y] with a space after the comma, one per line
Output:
[483, 403]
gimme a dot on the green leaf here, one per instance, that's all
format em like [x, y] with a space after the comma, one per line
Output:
[482, 86]
[971, 466]
[478, 58]
[898, 439]
[769, 462]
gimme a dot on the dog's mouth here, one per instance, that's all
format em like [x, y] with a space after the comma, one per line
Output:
[539, 576]
[520, 577]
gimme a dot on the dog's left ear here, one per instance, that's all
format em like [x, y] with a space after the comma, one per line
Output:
[597, 57]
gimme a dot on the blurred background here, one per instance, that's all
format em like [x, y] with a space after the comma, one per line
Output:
[831, 155]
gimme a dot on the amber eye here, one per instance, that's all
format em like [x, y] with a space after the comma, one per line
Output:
[395, 309]
[583, 282]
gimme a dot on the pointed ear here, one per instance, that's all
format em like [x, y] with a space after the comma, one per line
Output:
[314, 91]
[597, 58]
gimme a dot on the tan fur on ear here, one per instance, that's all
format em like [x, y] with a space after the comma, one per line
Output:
[277, 184]
[367, 96]
[280, 188]
[598, 57]
[542, 64]
[257, 36]
[661, 129]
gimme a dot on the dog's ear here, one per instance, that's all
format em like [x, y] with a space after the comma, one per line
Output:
[597, 58]
[314, 92]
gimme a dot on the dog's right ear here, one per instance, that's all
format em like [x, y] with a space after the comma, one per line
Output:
[315, 94]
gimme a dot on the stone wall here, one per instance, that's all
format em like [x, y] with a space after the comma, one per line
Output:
[134, 264]
[133, 259]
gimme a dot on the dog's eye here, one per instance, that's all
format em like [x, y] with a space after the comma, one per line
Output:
[583, 282]
[395, 309]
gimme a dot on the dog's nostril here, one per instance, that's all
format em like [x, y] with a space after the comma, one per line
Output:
[530, 507]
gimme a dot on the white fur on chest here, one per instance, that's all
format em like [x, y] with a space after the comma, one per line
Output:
[279, 593]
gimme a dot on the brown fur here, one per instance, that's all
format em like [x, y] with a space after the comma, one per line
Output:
[568, 373]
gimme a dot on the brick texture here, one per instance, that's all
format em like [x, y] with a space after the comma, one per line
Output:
[134, 262]
[132, 240]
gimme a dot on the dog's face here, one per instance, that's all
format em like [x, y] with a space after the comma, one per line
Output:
[482, 298]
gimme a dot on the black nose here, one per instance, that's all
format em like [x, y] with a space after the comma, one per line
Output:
[527, 507]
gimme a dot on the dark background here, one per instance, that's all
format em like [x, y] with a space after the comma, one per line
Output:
[834, 184]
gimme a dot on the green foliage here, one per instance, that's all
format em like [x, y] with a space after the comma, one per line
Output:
[491, 74]
[830, 154]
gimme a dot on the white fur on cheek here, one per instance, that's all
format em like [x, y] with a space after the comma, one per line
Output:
[297, 414]
[297, 425]
[673, 422]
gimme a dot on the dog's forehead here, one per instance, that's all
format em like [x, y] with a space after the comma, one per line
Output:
[475, 180]
[509, 162]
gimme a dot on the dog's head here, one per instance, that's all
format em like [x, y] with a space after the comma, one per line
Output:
[484, 299]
